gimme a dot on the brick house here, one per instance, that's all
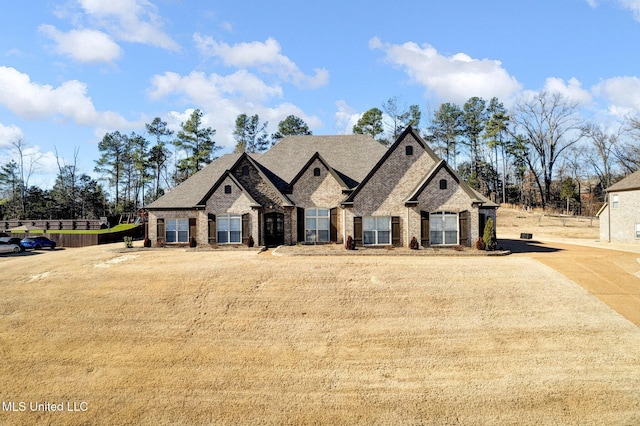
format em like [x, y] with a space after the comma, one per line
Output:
[317, 189]
[620, 214]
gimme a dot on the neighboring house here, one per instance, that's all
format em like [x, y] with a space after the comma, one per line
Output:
[317, 189]
[620, 215]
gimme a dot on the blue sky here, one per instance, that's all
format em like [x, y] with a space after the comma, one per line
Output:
[71, 70]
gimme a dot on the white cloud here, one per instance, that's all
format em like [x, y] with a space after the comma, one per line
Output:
[9, 134]
[345, 118]
[592, 3]
[633, 6]
[209, 90]
[622, 93]
[129, 20]
[222, 98]
[36, 101]
[572, 91]
[263, 56]
[453, 78]
[83, 45]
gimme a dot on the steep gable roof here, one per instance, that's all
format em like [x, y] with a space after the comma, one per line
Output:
[190, 192]
[408, 131]
[229, 175]
[318, 157]
[263, 173]
[350, 156]
[629, 183]
[475, 196]
[413, 197]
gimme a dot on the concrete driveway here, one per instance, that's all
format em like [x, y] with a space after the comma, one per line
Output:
[611, 275]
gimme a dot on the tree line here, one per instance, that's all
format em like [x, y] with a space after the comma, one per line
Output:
[540, 153]
[136, 169]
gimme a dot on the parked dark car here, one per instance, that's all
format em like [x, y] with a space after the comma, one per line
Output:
[37, 243]
[12, 240]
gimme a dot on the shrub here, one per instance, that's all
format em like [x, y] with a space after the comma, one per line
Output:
[250, 242]
[350, 244]
[128, 242]
[458, 248]
[414, 245]
[146, 243]
[479, 245]
[489, 237]
[192, 241]
[161, 242]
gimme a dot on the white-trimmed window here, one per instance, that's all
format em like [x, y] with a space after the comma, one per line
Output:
[316, 225]
[443, 228]
[229, 227]
[638, 231]
[614, 201]
[177, 230]
[376, 230]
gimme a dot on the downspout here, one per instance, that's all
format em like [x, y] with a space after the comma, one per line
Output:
[609, 218]
[344, 225]
[408, 229]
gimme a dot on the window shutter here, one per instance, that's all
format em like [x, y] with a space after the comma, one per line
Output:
[192, 227]
[300, 225]
[424, 229]
[160, 230]
[333, 225]
[246, 233]
[212, 229]
[395, 231]
[357, 230]
[463, 220]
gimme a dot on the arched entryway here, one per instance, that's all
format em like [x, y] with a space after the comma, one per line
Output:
[273, 229]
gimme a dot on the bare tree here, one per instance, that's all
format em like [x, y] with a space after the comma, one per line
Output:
[550, 124]
[600, 154]
[26, 166]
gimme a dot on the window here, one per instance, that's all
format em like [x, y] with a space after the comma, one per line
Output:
[177, 230]
[443, 184]
[614, 201]
[316, 225]
[227, 189]
[376, 230]
[229, 228]
[408, 150]
[444, 228]
[316, 171]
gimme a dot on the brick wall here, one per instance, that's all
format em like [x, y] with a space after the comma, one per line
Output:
[322, 191]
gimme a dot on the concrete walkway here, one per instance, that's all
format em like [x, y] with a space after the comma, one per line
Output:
[611, 275]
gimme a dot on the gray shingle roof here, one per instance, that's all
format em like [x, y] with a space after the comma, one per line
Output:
[194, 189]
[627, 184]
[351, 156]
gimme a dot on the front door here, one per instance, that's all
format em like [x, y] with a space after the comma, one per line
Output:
[273, 229]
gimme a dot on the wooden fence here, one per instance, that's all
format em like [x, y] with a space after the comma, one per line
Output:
[84, 240]
[52, 225]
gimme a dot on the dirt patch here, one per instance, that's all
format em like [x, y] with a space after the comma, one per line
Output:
[190, 337]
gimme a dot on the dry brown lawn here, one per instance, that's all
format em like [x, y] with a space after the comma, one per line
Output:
[183, 337]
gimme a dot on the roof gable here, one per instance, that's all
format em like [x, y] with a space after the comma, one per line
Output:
[229, 175]
[190, 192]
[350, 156]
[306, 167]
[262, 172]
[442, 165]
[407, 132]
